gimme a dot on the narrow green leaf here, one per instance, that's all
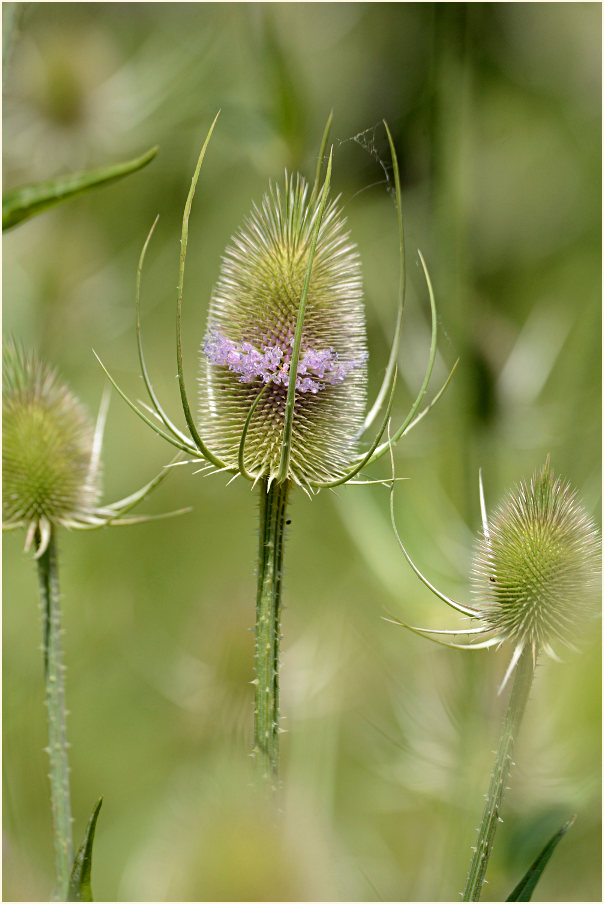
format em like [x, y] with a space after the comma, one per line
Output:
[324, 140]
[28, 200]
[79, 884]
[526, 886]
[184, 239]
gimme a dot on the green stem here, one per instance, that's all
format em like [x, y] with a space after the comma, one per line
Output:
[268, 615]
[55, 704]
[523, 678]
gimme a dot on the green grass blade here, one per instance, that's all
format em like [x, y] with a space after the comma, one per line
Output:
[526, 886]
[79, 884]
[28, 200]
[324, 140]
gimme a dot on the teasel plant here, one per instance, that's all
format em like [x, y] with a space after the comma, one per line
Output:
[283, 381]
[535, 581]
[51, 479]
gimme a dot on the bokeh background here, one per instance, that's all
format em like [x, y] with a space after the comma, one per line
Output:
[495, 110]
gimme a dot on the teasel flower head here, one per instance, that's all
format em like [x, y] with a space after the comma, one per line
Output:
[536, 571]
[51, 455]
[250, 341]
[283, 379]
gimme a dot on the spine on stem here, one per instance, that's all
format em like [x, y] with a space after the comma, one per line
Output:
[523, 679]
[268, 625]
[55, 704]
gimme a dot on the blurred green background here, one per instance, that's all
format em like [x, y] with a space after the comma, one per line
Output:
[495, 110]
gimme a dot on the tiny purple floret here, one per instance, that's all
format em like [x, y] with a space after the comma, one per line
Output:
[271, 365]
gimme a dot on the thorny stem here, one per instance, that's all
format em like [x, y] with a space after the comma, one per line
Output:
[273, 505]
[523, 679]
[48, 582]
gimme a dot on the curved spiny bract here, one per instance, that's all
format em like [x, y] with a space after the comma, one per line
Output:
[249, 338]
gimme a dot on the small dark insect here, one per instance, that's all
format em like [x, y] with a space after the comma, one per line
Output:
[492, 580]
[289, 521]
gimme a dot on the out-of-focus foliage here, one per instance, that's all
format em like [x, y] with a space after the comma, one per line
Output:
[495, 111]
[26, 201]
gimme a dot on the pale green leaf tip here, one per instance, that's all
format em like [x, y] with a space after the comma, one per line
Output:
[80, 888]
[525, 888]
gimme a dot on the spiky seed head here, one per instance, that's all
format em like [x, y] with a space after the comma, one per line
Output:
[250, 333]
[536, 572]
[47, 445]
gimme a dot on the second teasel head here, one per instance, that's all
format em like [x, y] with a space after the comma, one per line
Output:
[537, 563]
[51, 456]
[536, 574]
[47, 446]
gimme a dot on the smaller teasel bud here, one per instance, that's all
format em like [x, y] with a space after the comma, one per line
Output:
[536, 567]
[47, 446]
[51, 455]
[536, 572]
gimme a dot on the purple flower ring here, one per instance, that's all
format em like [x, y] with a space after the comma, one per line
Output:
[272, 364]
